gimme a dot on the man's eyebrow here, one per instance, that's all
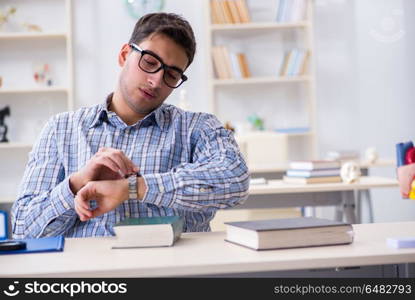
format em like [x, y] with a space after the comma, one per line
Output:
[171, 66]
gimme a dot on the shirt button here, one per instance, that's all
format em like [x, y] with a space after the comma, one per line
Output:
[161, 189]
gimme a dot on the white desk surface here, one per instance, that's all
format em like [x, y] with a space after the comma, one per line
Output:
[280, 187]
[279, 168]
[207, 253]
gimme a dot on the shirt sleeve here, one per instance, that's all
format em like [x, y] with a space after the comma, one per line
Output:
[216, 178]
[45, 204]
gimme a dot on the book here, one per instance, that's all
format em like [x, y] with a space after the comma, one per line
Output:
[226, 11]
[148, 232]
[243, 11]
[47, 244]
[219, 63]
[313, 173]
[243, 64]
[218, 16]
[288, 233]
[314, 164]
[234, 11]
[310, 180]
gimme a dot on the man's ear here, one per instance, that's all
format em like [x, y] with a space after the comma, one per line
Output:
[122, 56]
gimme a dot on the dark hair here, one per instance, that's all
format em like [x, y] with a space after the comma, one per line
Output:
[171, 25]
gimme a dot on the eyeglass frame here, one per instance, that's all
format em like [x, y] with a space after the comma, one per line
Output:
[162, 65]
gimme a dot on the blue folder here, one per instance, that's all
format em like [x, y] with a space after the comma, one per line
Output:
[48, 244]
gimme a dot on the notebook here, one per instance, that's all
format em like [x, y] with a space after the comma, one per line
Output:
[48, 244]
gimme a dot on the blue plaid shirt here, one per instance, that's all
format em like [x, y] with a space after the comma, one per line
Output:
[191, 164]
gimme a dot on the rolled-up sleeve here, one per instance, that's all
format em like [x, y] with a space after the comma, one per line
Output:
[217, 177]
[45, 204]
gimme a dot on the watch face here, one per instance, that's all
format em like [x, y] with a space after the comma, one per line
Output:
[138, 8]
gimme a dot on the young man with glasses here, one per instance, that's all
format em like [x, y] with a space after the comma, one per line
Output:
[132, 156]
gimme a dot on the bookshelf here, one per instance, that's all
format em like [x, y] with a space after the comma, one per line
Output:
[283, 102]
[32, 103]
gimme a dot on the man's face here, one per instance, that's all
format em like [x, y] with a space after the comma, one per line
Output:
[144, 92]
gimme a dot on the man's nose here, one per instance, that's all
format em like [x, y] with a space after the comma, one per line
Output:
[156, 79]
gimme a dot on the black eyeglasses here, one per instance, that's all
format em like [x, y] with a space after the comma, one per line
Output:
[150, 63]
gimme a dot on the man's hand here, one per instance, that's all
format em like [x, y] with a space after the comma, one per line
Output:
[106, 164]
[108, 194]
[406, 174]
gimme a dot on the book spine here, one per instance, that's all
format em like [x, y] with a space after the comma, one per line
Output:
[226, 11]
[226, 62]
[218, 11]
[243, 11]
[236, 70]
[234, 11]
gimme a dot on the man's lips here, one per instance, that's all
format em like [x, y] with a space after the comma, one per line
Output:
[148, 93]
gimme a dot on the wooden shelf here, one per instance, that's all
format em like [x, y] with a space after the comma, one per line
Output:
[45, 89]
[258, 26]
[15, 146]
[35, 35]
[259, 80]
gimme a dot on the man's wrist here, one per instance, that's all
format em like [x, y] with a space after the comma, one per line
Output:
[141, 188]
[75, 182]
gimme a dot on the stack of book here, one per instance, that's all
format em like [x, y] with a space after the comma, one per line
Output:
[291, 10]
[294, 63]
[229, 65]
[229, 11]
[313, 171]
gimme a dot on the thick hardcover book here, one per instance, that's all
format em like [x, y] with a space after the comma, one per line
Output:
[148, 232]
[47, 244]
[288, 233]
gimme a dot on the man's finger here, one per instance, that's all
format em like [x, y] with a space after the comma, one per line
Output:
[128, 163]
[82, 210]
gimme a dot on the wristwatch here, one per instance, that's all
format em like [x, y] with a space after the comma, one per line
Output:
[132, 185]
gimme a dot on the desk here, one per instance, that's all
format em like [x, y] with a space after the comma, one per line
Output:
[208, 254]
[346, 205]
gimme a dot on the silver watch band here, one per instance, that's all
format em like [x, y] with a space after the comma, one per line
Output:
[132, 186]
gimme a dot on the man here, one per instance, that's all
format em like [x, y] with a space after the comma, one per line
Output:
[132, 156]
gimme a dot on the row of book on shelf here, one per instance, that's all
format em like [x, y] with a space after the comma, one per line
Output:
[229, 64]
[294, 62]
[229, 11]
[237, 11]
